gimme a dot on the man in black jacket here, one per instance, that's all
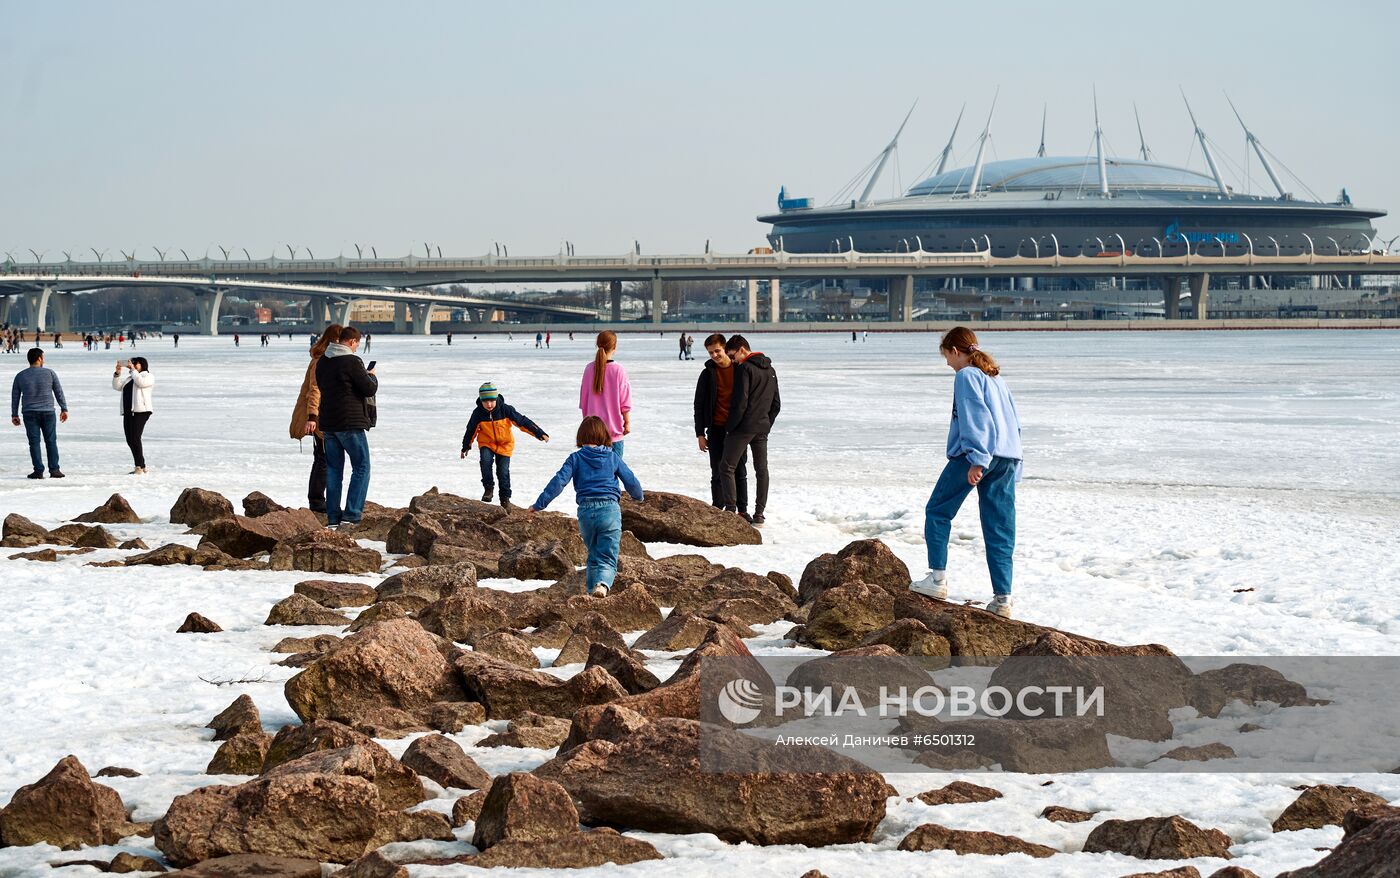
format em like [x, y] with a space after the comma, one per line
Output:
[346, 394]
[713, 393]
[752, 410]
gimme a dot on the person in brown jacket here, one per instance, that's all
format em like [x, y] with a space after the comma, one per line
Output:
[307, 414]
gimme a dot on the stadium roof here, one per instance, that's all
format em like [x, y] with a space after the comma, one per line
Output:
[1055, 173]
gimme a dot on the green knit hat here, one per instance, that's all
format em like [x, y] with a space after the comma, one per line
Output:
[487, 391]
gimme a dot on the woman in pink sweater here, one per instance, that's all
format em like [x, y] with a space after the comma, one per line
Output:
[606, 393]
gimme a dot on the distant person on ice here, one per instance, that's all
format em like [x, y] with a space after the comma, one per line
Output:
[984, 452]
[33, 393]
[595, 471]
[345, 414]
[606, 392]
[133, 380]
[490, 428]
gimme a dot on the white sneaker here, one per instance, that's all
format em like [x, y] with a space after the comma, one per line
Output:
[931, 586]
[599, 591]
[1001, 605]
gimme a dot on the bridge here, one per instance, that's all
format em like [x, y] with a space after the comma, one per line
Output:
[334, 283]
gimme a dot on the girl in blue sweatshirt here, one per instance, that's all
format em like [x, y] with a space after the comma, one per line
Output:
[984, 452]
[595, 470]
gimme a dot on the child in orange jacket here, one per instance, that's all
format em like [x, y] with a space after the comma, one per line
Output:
[490, 428]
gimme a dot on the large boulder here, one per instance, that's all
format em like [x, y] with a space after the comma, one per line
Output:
[394, 664]
[578, 850]
[252, 866]
[443, 761]
[244, 753]
[523, 807]
[298, 609]
[868, 561]
[532, 731]
[65, 808]
[414, 589]
[550, 560]
[17, 525]
[1372, 852]
[244, 537]
[508, 691]
[623, 667]
[1325, 805]
[652, 779]
[258, 504]
[909, 637]
[324, 551]
[95, 537]
[590, 629]
[1040, 746]
[197, 506]
[115, 511]
[1212, 690]
[678, 631]
[508, 646]
[335, 595]
[971, 632]
[1158, 838]
[196, 624]
[674, 518]
[842, 617]
[238, 718]
[464, 616]
[399, 786]
[630, 610]
[932, 837]
[748, 597]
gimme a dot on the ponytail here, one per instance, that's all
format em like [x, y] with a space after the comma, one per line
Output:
[607, 343]
[964, 341]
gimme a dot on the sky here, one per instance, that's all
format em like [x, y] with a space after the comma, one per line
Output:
[319, 126]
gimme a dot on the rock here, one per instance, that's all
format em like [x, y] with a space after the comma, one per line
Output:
[507, 647]
[590, 629]
[932, 837]
[252, 866]
[170, 553]
[393, 664]
[462, 617]
[676, 632]
[117, 771]
[484, 562]
[244, 537]
[523, 807]
[241, 754]
[1061, 814]
[579, 850]
[1181, 872]
[607, 722]
[410, 562]
[399, 786]
[909, 637]
[298, 609]
[468, 808]
[508, 691]
[867, 670]
[317, 643]
[17, 525]
[214, 558]
[1324, 805]
[1363, 816]
[1212, 690]
[196, 624]
[552, 636]
[100, 865]
[623, 667]
[372, 865]
[841, 617]
[674, 518]
[238, 718]
[530, 731]
[958, 793]
[1233, 872]
[413, 534]
[197, 506]
[382, 612]
[324, 551]
[1369, 853]
[336, 594]
[630, 610]
[970, 631]
[813, 873]
[868, 561]
[115, 511]
[66, 809]
[467, 533]
[134, 544]
[416, 588]
[754, 599]
[550, 560]
[442, 760]
[450, 717]
[1249, 727]
[1158, 838]
[652, 779]
[47, 555]
[95, 537]
[22, 541]
[373, 526]
[124, 863]
[258, 504]
[1042, 746]
[1203, 753]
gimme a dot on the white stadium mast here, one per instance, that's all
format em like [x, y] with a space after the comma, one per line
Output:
[1205, 148]
[982, 148]
[885, 157]
[1098, 146]
[948, 150]
[1259, 151]
[1142, 141]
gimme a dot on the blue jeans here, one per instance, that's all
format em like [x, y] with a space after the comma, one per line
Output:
[351, 443]
[600, 525]
[501, 464]
[996, 501]
[617, 447]
[45, 425]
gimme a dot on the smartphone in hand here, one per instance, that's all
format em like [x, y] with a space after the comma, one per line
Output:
[372, 364]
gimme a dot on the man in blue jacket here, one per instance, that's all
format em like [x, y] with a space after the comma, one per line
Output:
[33, 395]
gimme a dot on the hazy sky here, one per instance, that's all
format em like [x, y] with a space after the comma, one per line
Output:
[321, 125]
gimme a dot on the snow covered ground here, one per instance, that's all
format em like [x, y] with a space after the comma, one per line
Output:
[1165, 473]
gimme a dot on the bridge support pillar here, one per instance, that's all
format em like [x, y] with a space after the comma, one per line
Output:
[753, 301]
[4, 309]
[1200, 293]
[62, 309]
[400, 317]
[340, 311]
[36, 308]
[1171, 297]
[208, 306]
[775, 295]
[615, 293]
[902, 298]
[656, 297]
[422, 318]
